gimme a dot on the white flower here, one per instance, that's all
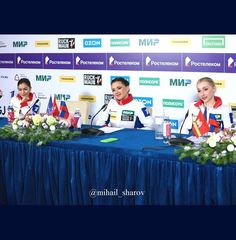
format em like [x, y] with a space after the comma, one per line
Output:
[217, 137]
[51, 120]
[233, 139]
[44, 125]
[39, 143]
[196, 153]
[20, 123]
[211, 142]
[186, 148]
[37, 119]
[214, 154]
[14, 127]
[223, 153]
[52, 128]
[230, 147]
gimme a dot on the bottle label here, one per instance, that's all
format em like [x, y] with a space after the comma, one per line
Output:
[10, 114]
[167, 129]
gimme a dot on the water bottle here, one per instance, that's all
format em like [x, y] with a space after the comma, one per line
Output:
[166, 129]
[159, 120]
[10, 113]
[77, 121]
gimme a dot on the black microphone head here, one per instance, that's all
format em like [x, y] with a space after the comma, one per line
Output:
[104, 106]
[180, 141]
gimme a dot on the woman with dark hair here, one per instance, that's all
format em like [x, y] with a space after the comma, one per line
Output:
[25, 102]
[124, 111]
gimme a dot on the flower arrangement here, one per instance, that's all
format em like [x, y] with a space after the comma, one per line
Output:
[220, 148]
[38, 129]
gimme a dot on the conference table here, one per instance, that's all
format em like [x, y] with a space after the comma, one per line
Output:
[136, 169]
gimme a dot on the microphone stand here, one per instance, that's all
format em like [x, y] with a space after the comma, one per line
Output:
[180, 140]
[91, 130]
[23, 117]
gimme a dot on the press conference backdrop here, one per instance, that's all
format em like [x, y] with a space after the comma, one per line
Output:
[162, 69]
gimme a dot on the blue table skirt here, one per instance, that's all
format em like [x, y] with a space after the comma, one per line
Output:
[66, 172]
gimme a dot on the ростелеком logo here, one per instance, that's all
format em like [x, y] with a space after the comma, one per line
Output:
[187, 61]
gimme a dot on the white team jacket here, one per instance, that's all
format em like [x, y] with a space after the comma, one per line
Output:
[222, 113]
[22, 108]
[131, 114]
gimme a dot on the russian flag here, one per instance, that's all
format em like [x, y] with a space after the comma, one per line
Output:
[200, 125]
[214, 125]
[50, 107]
[64, 113]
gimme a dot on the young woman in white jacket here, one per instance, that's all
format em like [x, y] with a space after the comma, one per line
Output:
[124, 111]
[217, 115]
[25, 102]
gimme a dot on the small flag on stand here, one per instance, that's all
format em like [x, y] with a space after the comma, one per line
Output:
[64, 113]
[200, 125]
[55, 112]
[50, 107]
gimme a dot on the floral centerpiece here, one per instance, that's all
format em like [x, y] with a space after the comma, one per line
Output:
[220, 148]
[38, 129]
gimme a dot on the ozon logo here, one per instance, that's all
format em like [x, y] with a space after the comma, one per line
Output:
[92, 42]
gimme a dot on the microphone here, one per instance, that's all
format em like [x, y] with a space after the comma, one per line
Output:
[180, 140]
[37, 100]
[91, 130]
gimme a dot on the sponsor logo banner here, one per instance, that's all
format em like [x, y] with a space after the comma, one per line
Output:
[180, 82]
[29, 60]
[220, 83]
[66, 43]
[174, 103]
[147, 101]
[87, 98]
[42, 43]
[149, 81]
[203, 62]
[92, 79]
[161, 61]
[180, 42]
[230, 63]
[107, 98]
[19, 44]
[119, 42]
[148, 42]
[124, 61]
[7, 60]
[63, 97]
[43, 78]
[213, 41]
[2, 44]
[58, 61]
[92, 43]
[68, 79]
[92, 61]
[174, 123]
